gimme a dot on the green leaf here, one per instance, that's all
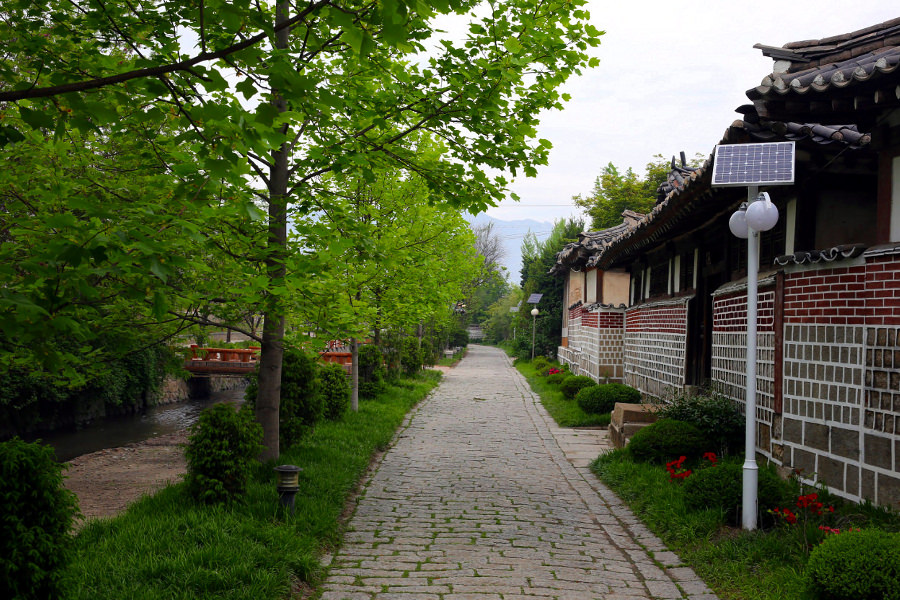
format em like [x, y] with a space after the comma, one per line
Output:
[37, 119]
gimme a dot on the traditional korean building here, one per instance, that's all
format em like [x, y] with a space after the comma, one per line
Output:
[828, 358]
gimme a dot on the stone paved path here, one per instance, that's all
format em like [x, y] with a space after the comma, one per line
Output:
[476, 500]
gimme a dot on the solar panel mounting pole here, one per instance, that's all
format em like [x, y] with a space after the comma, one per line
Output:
[753, 165]
[751, 469]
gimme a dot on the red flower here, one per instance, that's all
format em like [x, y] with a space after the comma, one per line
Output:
[711, 457]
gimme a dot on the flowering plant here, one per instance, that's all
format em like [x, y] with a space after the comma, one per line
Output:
[677, 471]
[809, 515]
[553, 371]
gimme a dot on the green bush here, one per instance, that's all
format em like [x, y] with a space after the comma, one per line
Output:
[37, 514]
[459, 337]
[716, 416]
[556, 378]
[541, 365]
[601, 399]
[222, 446]
[722, 487]
[856, 565]
[411, 356]
[371, 371]
[573, 383]
[302, 403]
[335, 390]
[666, 439]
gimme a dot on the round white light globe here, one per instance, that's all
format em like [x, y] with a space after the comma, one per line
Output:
[762, 215]
[738, 224]
[534, 312]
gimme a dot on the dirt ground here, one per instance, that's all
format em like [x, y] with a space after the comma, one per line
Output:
[107, 481]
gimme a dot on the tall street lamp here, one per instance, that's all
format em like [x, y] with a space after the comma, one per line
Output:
[756, 215]
[534, 314]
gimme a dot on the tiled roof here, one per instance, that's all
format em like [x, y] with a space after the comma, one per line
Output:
[690, 190]
[767, 130]
[837, 74]
[590, 243]
[827, 255]
[810, 54]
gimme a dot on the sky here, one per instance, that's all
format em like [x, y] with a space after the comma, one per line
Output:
[670, 78]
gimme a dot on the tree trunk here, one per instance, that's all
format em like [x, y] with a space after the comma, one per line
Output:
[354, 374]
[268, 399]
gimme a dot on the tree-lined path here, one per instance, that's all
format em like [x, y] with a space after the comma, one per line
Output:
[476, 500]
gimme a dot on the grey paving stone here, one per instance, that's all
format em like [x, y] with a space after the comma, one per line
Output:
[478, 500]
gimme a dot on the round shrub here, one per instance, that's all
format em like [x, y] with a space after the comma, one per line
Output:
[592, 400]
[539, 363]
[302, 403]
[573, 383]
[722, 487]
[855, 565]
[371, 371]
[666, 440]
[556, 378]
[222, 447]
[335, 390]
[716, 416]
[37, 515]
[411, 356]
[602, 399]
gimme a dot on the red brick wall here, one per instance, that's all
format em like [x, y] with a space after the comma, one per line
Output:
[832, 297]
[659, 319]
[610, 320]
[731, 312]
[589, 319]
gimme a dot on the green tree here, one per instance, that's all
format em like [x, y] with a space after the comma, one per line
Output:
[537, 259]
[326, 86]
[615, 192]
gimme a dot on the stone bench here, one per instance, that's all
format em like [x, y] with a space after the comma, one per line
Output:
[628, 419]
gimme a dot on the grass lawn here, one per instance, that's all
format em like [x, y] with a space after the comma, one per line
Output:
[565, 412]
[167, 546]
[736, 564]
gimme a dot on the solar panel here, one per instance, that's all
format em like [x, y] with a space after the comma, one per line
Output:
[534, 298]
[754, 164]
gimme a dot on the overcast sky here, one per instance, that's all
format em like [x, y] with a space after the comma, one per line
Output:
[670, 78]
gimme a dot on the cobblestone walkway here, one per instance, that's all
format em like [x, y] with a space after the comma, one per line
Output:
[476, 500]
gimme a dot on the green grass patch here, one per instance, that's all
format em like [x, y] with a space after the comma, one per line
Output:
[736, 564]
[565, 412]
[167, 546]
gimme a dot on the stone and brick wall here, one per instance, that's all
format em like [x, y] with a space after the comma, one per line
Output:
[729, 353]
[835, 416]
[595, 340]
[654, 346]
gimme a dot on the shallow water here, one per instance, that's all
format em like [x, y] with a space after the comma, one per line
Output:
[120, 431]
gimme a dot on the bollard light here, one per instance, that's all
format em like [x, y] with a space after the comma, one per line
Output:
[288, 484]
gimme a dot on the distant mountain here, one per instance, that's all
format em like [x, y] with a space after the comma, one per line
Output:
[512, 233]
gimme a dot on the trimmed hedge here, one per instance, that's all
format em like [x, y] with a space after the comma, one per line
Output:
[855, 565]
[666, 440]
[571, 385]
[602, 399]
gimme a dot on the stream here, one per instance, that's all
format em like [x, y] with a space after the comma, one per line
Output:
[113, 432]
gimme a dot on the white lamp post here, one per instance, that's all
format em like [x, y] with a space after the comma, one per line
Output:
[755, 215]
[534, 314]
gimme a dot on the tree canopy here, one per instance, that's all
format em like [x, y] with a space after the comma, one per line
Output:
[240, 110]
